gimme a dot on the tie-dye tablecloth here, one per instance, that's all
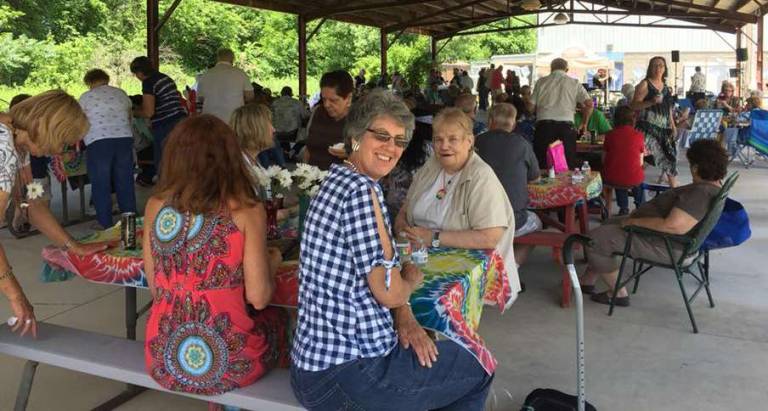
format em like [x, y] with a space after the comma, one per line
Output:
[70, 163]
[113, 266]
[457, 284]
[561, 191]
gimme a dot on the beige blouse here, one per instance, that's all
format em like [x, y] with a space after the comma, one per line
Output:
[478, 202]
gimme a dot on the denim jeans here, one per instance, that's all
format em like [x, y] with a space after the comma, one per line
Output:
[160, 133]
[622, 197]
[110, 161]
[456, 382]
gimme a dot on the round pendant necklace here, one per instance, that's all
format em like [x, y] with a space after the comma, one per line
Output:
[441, 193]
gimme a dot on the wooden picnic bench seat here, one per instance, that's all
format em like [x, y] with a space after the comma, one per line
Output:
[123, 360]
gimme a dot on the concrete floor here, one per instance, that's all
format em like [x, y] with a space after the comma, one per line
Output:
[643, 357]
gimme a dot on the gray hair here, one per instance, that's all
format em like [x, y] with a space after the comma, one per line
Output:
[503, 115]
[378, 103]
[628, 90]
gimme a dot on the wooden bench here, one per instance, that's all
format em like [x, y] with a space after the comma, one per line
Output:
[123, 360]
[555, 240]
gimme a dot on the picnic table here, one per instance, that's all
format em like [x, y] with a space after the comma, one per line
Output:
[457, 284]
[561, 193]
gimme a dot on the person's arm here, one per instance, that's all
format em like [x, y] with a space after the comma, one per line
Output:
[41, 217]
[641, 91]
[150, 212]
[258, 270]
[11, 289]
[401, 220]
[484, 238]
[402, 282]
[676, 222]
[411, 334]
[534, 173]
[147, 109]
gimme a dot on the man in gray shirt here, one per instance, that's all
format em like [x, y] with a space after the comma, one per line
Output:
[512, 159]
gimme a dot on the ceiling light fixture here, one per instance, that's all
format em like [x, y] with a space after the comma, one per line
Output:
[561, 18]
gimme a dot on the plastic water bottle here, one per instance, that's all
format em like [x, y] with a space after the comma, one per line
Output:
[420, 256]
[586, 170]
[551, 172]
[576, 177]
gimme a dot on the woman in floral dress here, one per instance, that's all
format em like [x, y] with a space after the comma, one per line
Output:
[654, 98]
[206, 260]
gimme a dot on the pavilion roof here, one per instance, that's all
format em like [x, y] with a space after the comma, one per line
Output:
[445, 18]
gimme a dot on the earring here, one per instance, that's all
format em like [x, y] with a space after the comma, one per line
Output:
[355, 146]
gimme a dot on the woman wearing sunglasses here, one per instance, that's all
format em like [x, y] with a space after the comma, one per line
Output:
[357, 344]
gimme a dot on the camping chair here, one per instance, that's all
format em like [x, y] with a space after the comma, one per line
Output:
[692, 254]
[758, 135]
[706, 124]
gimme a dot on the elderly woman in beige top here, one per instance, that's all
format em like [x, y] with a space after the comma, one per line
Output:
[456, 200]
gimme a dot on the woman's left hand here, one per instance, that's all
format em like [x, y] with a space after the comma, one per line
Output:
[411, 334]
[83, 249]
[415, 234]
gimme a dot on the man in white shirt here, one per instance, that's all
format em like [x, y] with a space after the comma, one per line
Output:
[698, 86]
[555, 97]
[224, 88]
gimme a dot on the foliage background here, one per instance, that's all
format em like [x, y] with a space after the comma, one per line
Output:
[51, 43]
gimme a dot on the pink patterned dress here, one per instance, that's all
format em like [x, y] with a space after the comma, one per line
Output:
[201, 336]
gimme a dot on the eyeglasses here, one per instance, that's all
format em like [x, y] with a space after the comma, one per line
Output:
[384, 137]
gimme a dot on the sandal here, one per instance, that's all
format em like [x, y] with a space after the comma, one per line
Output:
[604, 298]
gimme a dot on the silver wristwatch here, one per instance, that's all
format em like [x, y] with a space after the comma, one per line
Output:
[435, 239]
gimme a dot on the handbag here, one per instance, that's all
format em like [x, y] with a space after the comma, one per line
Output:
[547, 399]
[556, 157]
[731, 229]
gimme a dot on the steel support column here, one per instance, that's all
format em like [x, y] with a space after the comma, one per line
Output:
[738, 64]
[384, 47]
[759, 52]
[433, 50]
[153, 43]
[302, 23]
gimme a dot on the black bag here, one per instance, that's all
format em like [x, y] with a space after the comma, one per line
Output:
[547, 399]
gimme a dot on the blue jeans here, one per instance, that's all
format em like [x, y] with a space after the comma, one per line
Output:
[160, 132]
[111, 161]
[622, 197]
[456, 382]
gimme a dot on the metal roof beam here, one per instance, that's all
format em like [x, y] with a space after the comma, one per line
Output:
[366, 6]
[730, 15]
[410, 23]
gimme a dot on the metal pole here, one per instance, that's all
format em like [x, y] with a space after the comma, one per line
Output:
[153, 44]
[434, 50]
[383, 52]
[302, 23]
[738, 64]
[759, 52]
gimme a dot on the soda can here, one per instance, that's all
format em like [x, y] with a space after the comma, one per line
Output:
[128, 231]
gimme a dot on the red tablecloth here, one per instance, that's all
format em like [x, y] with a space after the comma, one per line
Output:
[561, 191]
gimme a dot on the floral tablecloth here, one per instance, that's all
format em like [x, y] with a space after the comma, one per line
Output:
[561, 192]
[457, 284]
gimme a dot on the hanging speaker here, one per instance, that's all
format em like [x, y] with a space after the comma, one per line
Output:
[741, 54]
[675, 56]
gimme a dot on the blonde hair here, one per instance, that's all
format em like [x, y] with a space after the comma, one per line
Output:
[453, 116]
[251, 123]
[52, 119]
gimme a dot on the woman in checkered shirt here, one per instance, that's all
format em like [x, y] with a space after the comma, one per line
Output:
[357, 344]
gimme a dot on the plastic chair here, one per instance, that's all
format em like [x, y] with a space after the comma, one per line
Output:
[758, 136]
[706, 125]
[692, 255]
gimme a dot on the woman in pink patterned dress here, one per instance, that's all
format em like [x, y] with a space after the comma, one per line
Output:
[206, 260]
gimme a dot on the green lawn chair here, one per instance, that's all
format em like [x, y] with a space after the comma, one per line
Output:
[692, 255]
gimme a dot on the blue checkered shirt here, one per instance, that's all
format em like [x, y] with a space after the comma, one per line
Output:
[339, 319]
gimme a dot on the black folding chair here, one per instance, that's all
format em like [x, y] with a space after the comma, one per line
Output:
[692, 256]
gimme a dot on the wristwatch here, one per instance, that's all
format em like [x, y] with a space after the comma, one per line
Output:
[435, 239]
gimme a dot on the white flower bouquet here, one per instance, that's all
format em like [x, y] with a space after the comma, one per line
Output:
[276, 180]
[307, 178]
